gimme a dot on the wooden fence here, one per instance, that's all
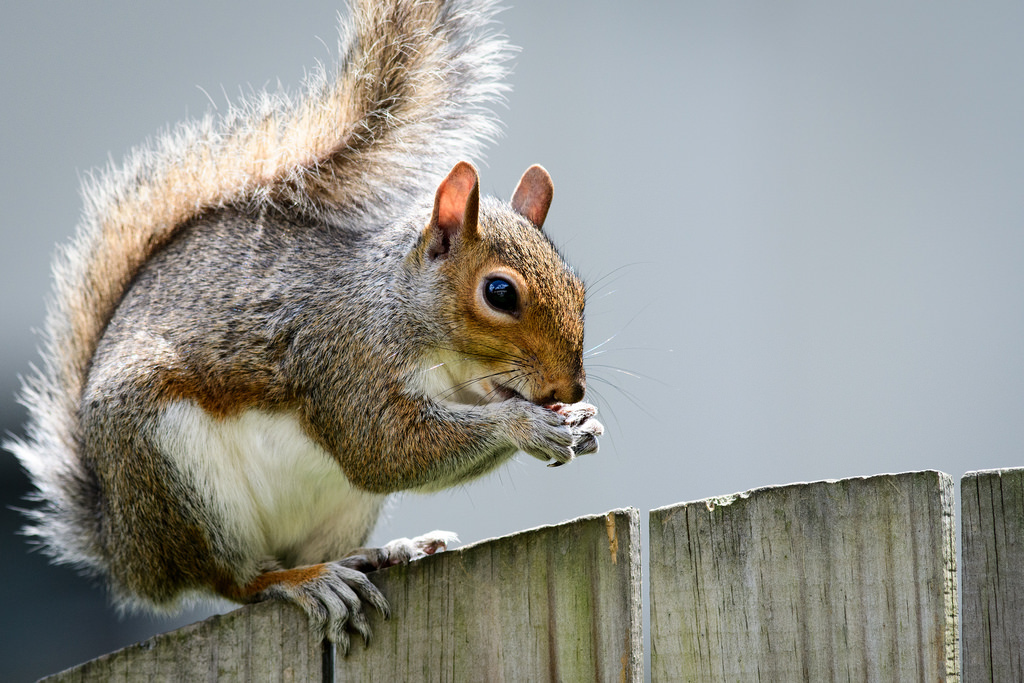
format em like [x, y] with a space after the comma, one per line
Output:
[850, 580]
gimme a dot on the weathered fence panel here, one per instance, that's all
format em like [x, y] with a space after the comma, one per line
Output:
[993, 574]
[266, 642]
[837, 580]
[554, 603]
[558, 603]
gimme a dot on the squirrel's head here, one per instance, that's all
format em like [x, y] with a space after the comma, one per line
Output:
[512, 309]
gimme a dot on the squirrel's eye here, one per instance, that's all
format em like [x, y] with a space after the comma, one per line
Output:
[501, 294]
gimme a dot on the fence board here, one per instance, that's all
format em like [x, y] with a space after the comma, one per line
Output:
[264, 642]
[993, 578]
[558, 603]
[839, 580]
[553, 603]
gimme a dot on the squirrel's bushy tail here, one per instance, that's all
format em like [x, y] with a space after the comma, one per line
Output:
[408, 98]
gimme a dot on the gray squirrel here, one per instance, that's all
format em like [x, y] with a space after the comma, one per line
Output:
[269, 321]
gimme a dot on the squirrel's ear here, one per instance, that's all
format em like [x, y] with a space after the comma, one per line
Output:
[456, 209]
[532, 197]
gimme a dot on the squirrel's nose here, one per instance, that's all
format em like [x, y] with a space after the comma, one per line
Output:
[565, 391]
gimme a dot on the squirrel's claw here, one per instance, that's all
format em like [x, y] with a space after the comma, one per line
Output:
[564, 432]
[585, 443]
[333, 600]
[332, 595]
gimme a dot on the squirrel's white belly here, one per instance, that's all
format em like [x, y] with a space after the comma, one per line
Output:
[279, 496]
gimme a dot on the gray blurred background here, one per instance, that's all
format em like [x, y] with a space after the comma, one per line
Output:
[804, 223]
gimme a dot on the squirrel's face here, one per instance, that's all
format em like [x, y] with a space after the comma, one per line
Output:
[521, 326]
[512, 309]
[514, 315]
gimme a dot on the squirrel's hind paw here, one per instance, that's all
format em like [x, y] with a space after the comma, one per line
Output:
[399, 551]
[402, 550]
[332, 595]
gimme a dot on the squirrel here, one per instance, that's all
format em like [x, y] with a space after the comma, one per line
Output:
[270, 320]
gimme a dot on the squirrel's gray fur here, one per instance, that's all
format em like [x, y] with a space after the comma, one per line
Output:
[409, 97]
[270, 321]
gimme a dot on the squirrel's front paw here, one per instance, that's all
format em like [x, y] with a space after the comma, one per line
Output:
[561, 432]
[332, 595]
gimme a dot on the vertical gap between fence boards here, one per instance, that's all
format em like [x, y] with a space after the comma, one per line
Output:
[327, 657]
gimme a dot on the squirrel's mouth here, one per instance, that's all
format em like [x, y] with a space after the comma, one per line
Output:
[505, 393]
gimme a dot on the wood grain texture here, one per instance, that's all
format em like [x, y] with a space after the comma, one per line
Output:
[265, 642]
[828, 581]
[993, 578]
[558, 603]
